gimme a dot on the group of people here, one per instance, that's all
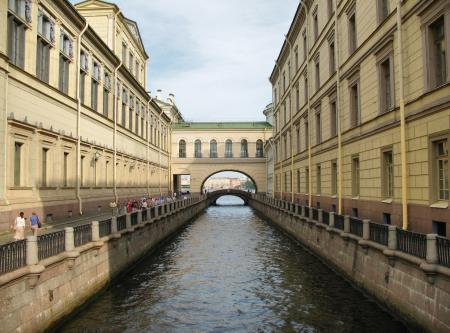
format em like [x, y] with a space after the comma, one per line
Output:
[130, 206]
[20, 225]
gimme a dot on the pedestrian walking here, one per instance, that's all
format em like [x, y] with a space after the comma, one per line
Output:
[19, 227]
[35, 223]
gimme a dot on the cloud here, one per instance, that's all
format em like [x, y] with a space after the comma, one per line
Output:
[214, 55]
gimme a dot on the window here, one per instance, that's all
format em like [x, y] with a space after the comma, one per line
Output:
[107, 173]
[333, 119]
[317, 74]
[130, 113]
[297, 98]
[198, 148]
[45, 36]
[44, 167]
[352, 33]
[297, 136]
[124, 53]
[259, 149]
[383, 10]
[305, 46]
[16, 32]
[330, 9]
[182, 149]
[244, 148]
[131, 63]
[124, 106]
[386, 218]
[137, 70]
[284, 81]
[441, 169]
[388, 174]
[228, 148]
[66, 169]
[332, 58]
[106, 90]
[64, 72]
[82, 180]
[306, 89]
[94, 85]
[355, 176]
[386, 85]
[315, 25]
[437, 61]
[285, 147]
[142, 124]
[319, 179]
[334, 177]
[439, 228]
[318, 128]
[307, 179]
[298, 181]
[306, 132]
[213, 149]
[296, 58]
[354, 105]
[17, 163]
[354, 212]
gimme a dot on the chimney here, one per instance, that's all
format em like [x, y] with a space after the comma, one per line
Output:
[158, 94]
[171, 99]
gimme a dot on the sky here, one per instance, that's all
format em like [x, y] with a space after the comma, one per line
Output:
[214, 55]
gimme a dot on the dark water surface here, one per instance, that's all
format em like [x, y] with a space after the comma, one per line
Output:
[230, 271]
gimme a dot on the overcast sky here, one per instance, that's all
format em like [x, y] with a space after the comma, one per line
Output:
[214, 55]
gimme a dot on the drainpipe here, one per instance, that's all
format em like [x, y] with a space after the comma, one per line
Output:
[402, 121]
[281, 166]
[340, 174]
[80, 202]
[292, 125]
[309, 107]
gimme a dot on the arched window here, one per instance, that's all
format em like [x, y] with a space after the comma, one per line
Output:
[198, 149]
[259, 149]
[213, 149]
[228, 148]
[182, 149]
[244, 148]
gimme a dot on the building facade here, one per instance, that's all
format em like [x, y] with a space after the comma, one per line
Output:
[362, 113]
[204, 149]
[78, 127]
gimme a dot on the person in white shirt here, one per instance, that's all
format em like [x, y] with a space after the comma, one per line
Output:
[19, 227]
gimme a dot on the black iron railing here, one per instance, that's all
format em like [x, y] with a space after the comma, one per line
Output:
[443, 250]
[105, 227]
[315, 214]
[51, 244]
[134, 218]
[144, 215]
[412, 243]
[379, 233]
[325, 217]
[339, 221]
[82, 234]
[121, 222]
[356, 226]
[13, 256]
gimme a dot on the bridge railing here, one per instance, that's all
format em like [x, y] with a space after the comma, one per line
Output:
[432, 248]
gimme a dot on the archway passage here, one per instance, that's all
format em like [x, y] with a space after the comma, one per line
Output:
[215, 195]
[228, 180]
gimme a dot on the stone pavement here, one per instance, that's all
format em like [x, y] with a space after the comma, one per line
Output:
[8, 236]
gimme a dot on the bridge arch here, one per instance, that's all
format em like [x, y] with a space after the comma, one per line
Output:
[212, 197]
[228, 170]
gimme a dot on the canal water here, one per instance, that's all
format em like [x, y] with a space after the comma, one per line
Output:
[230, 271]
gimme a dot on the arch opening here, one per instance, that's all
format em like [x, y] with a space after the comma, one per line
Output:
[229, 180]
[229, 200]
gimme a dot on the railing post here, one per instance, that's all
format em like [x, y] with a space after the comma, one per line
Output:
[392, 238]
[128, 220]
[366, 229]
[296, 209]
[32, 250]
[149, 214]
[320, 215]
[139, 217]
[310, 213]
[303, 211]
[69, 239]
[332, 217]
[432, 254]
[346, 223]
[114, 225]
[156, 211]
[95, 231]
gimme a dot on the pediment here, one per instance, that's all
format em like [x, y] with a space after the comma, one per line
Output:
[95, 5]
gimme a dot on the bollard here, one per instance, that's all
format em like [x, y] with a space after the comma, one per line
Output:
[320, 218]
[128, 220]
[432, 254]
[114, 225]
[392, 238]
[366, 229]
[32, 250]
[139, 217]
[346, 223]
[95, 231]
[332, 217]
[69, 239]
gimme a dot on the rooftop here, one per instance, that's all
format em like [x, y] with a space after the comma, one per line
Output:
[223, 125]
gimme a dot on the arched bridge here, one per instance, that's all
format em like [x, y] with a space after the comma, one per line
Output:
[213, 196]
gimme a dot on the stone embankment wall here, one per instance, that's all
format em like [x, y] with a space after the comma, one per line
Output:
[410, 287]
[36, 296]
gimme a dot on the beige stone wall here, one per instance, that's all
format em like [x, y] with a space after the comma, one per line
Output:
[427, 109]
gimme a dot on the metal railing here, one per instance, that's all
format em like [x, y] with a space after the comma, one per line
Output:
[412, 243]
[82, 234]
[339, 221]
[315, 214]
[443, 250]
[379, 233]
[144, 215]
[325, 217]
[134, 218]
[51, 244]
[105, 227]
[121, 222]
[13, 256]
[356, 226]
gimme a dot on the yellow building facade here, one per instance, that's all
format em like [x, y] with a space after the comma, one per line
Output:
[361, 110]
[78, 127]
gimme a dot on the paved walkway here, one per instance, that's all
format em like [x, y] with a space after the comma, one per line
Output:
[8, 236]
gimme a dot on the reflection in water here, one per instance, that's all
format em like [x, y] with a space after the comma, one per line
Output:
[232, 272]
